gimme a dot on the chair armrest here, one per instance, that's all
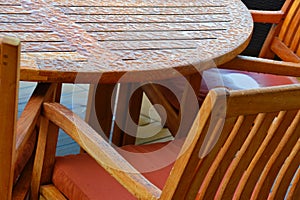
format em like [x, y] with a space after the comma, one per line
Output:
[262, 16]
[262, 65]
[101, 151]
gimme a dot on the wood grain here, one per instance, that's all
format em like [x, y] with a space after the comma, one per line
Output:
[9, 77]
[113, 38]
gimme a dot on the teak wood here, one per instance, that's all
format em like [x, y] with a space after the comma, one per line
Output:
[111, 41]
[282, 41]
[73, 41]
[243, 145]
[17, 136]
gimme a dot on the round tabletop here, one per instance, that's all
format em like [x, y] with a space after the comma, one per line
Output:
[72, 40]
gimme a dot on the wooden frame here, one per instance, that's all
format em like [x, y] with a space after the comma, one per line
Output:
[10, 50]
[248, 149]
[282, 41]
[17, 136]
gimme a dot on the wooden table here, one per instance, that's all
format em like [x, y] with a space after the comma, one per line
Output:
[74, 41]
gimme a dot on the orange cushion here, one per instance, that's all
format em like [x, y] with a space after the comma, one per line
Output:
[231, 79]
[80, 177]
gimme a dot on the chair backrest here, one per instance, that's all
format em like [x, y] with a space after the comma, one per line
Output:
[286, 35]
[17, 136]
[9, 79]
[243, 144]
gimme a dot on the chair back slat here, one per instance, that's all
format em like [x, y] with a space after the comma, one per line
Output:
[262, 153]
[9, 78]
[287, 173]
[209, 163]
[262, 171]
[283, 38]
[256, 151]
[222, 161]
[178, 187]
[294, 190]
[289, 32]
[244, 156]
[298, 50]
[295, 42]
[290, 24]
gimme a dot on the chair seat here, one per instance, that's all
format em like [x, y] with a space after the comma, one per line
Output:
[231, 79]
[80, 177]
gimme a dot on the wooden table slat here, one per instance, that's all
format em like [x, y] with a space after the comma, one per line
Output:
[23, 27]
[192, 10]
[152, 3]
[47, 47]
[35, 36]
[154, 35]
[18, 18]
[165, 27]
[149, 18]
[12, 9]
[9, 2]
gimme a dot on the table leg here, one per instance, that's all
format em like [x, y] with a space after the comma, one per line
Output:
[177, 121]
[189, 104]
[127, 113]
[99, 114]
[156, 96]
[114, 120]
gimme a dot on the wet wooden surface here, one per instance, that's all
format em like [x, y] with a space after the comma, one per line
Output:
[144, 39]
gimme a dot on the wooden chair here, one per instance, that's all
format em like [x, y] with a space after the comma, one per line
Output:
[241, 73]
[242, 145]
[17, 137]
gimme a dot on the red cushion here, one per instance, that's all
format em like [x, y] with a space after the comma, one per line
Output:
[231, 79]
[80, 177]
